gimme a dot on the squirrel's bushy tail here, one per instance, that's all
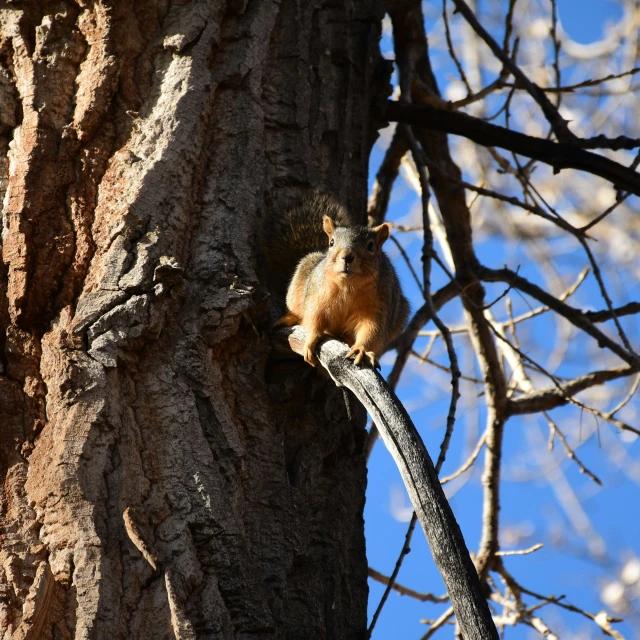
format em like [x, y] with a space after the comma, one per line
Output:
[297, 233]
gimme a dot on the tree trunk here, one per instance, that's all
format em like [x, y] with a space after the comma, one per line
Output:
[163, 479]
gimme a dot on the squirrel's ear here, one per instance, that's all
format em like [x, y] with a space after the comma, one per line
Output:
[382, 233]
[328, 225]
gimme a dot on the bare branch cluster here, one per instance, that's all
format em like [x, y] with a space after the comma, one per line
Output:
[539, 149]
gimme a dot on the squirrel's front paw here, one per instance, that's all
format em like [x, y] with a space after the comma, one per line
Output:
[310, 355]
[361, 354]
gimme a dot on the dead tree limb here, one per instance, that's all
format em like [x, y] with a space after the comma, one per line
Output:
[434, 513]
[559, 155]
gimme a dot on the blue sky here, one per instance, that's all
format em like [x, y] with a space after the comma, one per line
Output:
[584, 20]
[529, 508]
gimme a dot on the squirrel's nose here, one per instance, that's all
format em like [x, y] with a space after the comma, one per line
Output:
[348, 257]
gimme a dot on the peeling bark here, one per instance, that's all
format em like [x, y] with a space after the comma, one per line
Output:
[163, 479]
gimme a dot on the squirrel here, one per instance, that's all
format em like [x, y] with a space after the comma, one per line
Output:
[344, 285]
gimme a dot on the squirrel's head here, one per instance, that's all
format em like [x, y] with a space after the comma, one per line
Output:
[354, 252]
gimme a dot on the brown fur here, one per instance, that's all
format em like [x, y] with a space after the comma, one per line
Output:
[350, 292]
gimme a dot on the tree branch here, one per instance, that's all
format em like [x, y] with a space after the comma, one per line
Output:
[603, 316]
[574, 316]
[556, 154]
[557, 122]
[434, 513]
[406, 591]
[386, 176]
[552, 397]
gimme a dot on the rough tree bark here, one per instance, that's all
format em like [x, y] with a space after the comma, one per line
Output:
[160, 478]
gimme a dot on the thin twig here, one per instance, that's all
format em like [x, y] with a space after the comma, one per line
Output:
[440, 622]
[508, 25]
[452, 51]
[621, 197]
[386, 176]
[556, 49]
[405, 591]
[627, 399]
[520, 552]
[604, 214]
[603, 291]
[569, 451]
[469, 461]
[405, 257]
[427, 254]
[498, 83]
[558, 601]
[406, 548]
[586, 83]
[442, 367]
[405, 228]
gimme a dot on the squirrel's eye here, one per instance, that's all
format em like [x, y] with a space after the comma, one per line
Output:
[332, 242]
[370, 245]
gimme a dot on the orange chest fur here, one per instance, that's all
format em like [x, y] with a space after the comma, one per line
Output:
[344, 307]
